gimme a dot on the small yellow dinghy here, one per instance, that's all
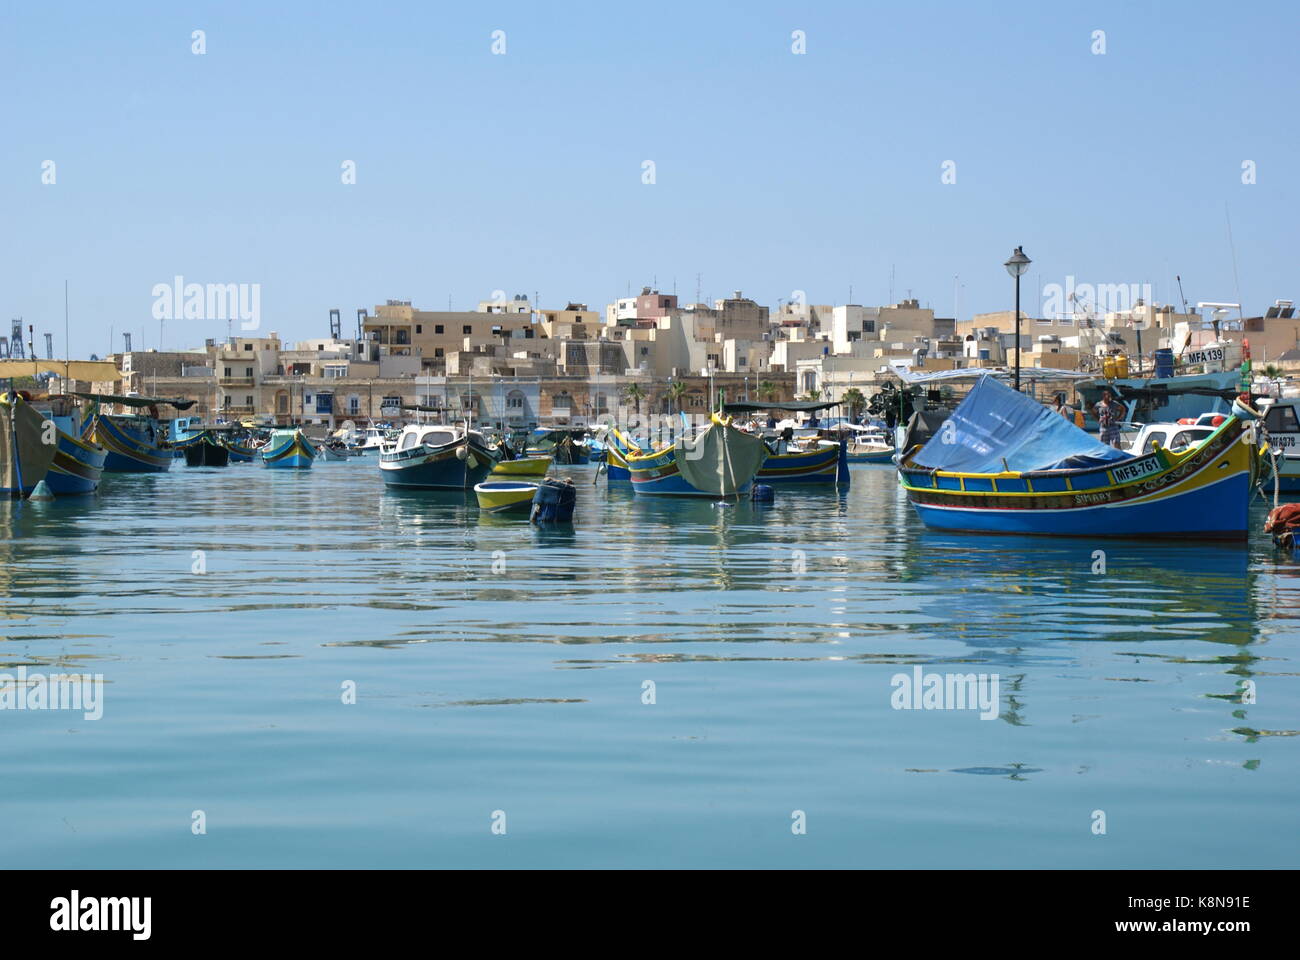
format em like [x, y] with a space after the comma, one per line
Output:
[505, 496]
[523, 467]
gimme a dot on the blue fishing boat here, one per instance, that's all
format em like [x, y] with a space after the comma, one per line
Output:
[1004, 463]
[288, 450]
[78, 460]
[615, 446]
[721, 461]
[430, 457]
[136, 443]
[27, 445]
[825, 461]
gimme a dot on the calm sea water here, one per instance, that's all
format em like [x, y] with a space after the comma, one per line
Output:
[501, 672]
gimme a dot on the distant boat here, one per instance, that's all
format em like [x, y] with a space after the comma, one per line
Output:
[824, 462]
[522, 467]
[204, 449]
[432, 457]
[1004, 463]
[505, 496]
[720, 461]
[565, 445]
[240, 451]
[288, 450]
[25, 456]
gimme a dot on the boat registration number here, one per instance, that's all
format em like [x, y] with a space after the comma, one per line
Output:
[1211, 355]
[1136, 470]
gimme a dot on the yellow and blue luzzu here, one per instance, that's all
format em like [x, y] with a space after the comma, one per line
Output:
[1004, 463]
[288, 449]
[78, 463]
[825, 463]
[134, 444]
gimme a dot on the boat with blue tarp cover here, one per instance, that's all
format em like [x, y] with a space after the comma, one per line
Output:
[1004, 463]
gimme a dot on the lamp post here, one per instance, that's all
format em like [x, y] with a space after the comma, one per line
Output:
[1016, 266]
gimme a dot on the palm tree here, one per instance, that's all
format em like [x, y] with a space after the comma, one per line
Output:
[767, 389]
[1272, 372]
[676, 390]
[812, 396]
[854, 400]
[636, 394]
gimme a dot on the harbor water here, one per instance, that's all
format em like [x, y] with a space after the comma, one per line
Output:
[303, 669]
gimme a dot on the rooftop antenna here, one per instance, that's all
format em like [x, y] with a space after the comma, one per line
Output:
[697, 288]
[67, 340]
[891, 283]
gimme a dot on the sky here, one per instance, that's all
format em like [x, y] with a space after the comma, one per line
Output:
[775, 172]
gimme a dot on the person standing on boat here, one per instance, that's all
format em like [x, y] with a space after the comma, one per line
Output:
[1110, 414]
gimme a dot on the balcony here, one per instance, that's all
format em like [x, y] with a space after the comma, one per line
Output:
[237, 408]
[235, 381]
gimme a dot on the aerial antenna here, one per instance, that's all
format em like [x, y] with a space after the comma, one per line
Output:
[1232, 247]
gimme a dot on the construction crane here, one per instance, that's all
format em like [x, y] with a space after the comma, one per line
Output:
[16, 340]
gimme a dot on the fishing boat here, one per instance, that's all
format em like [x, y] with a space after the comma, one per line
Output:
[78, 461]
[241, 451]
[1282, 431]
[822, 461]
[522, 467]
[505, 496]
[566, 445]
[616, 446]
[204, 449]
[1004, 463]
[433, 457]
[288, 449]
[720, 461]
[27, 445]
[136, 443]
[868, 445]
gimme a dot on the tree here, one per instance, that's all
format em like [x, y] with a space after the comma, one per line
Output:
[636, 394]
[812, 396]
[676, 390]
[854, 400]
[767, 390]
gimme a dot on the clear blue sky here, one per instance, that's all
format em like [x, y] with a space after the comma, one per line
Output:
[775, 172]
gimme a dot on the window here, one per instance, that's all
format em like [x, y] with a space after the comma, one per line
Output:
[1281, 420]
[248, 346]
[1187, 438]
[528, 333]
[438, 352]
[248, 371]
[227, 373]
[437, 328]
[515, 401]
[419, 328]
[354, 405]
[468, 329]
[248, 401]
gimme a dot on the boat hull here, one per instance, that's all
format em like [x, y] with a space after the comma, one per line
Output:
[240, 453]
[882, 456]
[820, 465]
[202, 451]
[523, 467]
[77, 466]
[294, 453]
[500, 497]
[25, 457]
[437, 468]
[131, 448]
[1202, 493]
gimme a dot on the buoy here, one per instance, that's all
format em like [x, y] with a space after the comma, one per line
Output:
[762, 493]
[41, 492]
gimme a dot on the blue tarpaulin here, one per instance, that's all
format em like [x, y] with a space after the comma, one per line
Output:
[995, 429]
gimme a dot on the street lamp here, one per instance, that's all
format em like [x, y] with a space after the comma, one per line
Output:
[1016, 266]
